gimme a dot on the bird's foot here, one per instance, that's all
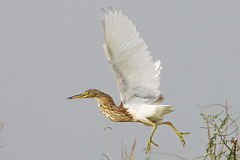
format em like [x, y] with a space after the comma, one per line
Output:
[180, 135]
[150, 141]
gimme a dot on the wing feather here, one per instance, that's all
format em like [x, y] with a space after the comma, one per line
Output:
[136, 74]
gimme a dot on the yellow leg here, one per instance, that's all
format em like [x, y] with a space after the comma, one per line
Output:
[180, 134]
[150, 141]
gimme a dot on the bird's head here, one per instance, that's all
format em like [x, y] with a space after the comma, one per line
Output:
[90, 93]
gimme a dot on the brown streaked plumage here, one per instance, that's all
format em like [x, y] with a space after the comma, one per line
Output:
[136, 74]
[107, 106]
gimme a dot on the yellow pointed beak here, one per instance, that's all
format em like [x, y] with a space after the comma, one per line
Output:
[77, 96]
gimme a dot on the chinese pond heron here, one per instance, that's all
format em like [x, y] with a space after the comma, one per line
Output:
[136, 74]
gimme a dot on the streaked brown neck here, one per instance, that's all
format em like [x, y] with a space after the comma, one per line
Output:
[105, 100]
[108, 107]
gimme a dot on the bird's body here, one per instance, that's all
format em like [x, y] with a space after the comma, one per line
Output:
[136, 74]
[108, 107]
[129, 112]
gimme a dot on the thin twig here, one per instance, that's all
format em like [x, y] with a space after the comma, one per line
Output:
[108, 155]
[208, 129]
[233, 122]
[235, 149]
[133, 147]
[223, 140]
[226, 125]
[122, 151]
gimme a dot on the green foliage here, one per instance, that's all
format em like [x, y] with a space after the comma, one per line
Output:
[222, 133]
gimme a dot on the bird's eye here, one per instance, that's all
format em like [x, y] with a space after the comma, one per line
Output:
[85, 94]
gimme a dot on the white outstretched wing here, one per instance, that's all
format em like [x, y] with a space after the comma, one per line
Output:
[136, 74]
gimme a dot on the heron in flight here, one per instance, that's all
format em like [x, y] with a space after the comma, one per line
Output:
[136, 74]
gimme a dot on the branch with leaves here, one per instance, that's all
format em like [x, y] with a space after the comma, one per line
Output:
[222, 133]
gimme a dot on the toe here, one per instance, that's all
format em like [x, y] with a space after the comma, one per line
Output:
[155, 144]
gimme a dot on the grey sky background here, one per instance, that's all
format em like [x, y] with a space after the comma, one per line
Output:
[51, 50]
